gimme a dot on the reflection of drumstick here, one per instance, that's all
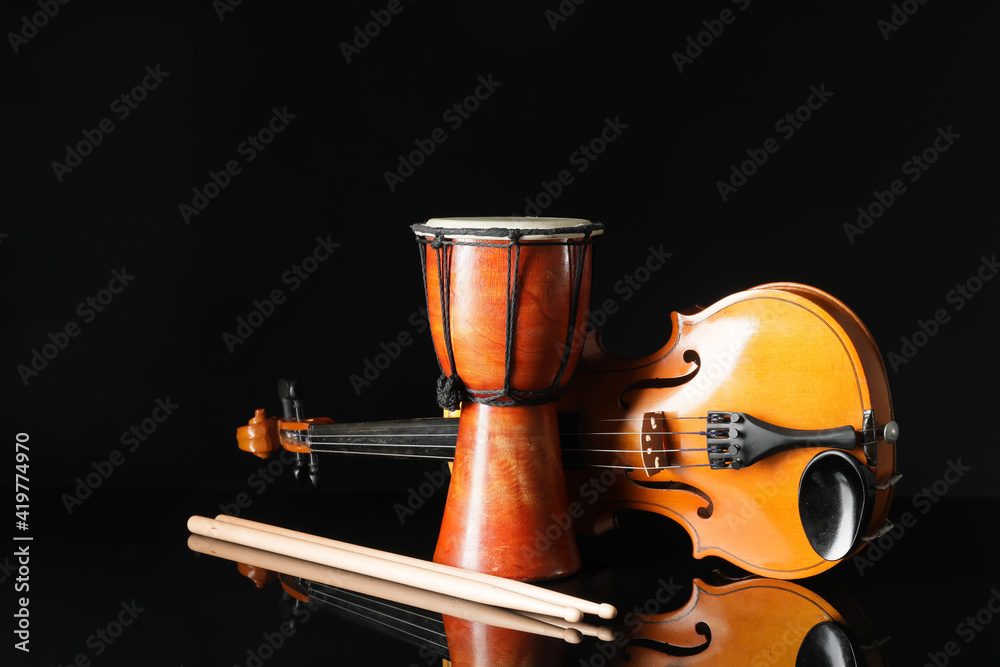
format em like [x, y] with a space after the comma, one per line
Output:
[602, 632]
[378, 567]
[444, 604]
[537, 592]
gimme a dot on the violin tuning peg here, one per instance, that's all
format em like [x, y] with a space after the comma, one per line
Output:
[288, 389]
[313, 469]
[305, 469]
[297, 468]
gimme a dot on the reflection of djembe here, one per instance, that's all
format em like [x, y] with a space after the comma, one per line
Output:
[504, 296]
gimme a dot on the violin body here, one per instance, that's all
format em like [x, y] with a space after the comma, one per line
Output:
[787, 354]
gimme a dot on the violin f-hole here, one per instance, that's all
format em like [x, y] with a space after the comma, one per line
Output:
[703, 512]
[670, 649]
[690, 356]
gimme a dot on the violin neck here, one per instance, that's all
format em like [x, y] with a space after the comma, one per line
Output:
[400, 439]
[414, 439]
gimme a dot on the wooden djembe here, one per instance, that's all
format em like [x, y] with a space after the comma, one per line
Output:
[505, 297]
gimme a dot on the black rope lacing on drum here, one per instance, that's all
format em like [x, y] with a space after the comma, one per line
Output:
[449, 385]
[515, 237]
[450, 388]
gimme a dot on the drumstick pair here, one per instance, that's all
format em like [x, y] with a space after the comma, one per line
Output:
[450, 581]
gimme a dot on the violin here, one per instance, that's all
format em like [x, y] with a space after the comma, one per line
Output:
[764, 427]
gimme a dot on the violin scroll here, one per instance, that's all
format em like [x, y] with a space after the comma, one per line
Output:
[260, 435]
[264, 435]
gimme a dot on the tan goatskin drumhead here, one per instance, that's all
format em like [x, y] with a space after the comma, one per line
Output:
[546, 228]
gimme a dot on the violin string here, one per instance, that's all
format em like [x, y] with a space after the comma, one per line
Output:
[568, 450]
[389, 625]
[625, 419]
[382, 435]
[417, 423]
[381, 607]
[321, 443]
[325, 436]
[450, 458]
[351, 443]
[328, 592]
[685, 465]
[635, 433]
[409, 456]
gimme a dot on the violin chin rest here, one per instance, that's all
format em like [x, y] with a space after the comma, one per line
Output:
[835, 503]
[826, 645]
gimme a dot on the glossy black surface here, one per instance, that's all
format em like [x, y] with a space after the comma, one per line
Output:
[177, 271]
[917, 595]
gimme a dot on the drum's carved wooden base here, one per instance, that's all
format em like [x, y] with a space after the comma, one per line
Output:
[507, 511]
[473, 644]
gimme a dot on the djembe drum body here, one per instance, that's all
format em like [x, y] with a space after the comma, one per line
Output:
[504, 298]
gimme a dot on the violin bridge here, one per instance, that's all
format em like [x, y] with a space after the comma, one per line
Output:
[652, 444]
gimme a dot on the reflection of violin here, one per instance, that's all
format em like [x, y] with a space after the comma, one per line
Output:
[748, 623]
[745, 623]
[763, 426]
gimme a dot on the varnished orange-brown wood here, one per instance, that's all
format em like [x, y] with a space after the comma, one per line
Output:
[478, 279]
[751, 622]
[506, 512]
[507, 481]
[259, 436]
[259, 576]
[788, 354]
[472, 644]
[262, 435]
[875, 376]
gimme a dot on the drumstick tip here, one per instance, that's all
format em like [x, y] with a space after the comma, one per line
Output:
[572, 636]
[193, 522]
[572, 615]
[605, 634]
[607, 611]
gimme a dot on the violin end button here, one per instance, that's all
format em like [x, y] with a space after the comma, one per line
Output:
[891, 432]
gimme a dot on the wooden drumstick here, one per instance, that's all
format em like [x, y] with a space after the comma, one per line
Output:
[388, 590]
[374, 566]
[602, 632]
[603, 610]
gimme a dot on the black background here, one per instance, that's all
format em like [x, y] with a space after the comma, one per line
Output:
[557, 85]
